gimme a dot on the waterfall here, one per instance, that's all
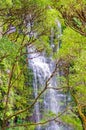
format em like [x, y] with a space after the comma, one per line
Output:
[42, 68]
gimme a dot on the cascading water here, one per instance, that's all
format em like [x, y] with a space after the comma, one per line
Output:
[43, 68]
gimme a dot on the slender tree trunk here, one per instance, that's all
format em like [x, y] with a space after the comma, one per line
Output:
[81, 114]
[82, 117]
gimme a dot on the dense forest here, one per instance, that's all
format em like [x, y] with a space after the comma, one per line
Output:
[56, 28]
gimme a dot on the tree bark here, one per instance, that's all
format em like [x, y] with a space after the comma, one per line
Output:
[83, 117]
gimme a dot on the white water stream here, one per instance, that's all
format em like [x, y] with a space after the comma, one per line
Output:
[42, 68]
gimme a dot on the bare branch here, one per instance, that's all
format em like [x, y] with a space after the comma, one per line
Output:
[41, 123]
[36, 99]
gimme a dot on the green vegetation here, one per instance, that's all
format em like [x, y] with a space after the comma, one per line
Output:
[29, 17]
[74, 60]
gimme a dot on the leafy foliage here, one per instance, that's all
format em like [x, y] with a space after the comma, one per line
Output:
[72, 120]
[29, 22]
[73, 53]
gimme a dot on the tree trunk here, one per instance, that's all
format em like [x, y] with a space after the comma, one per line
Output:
[83, 117]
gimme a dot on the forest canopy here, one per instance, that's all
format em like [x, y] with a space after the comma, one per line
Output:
[27, 23]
